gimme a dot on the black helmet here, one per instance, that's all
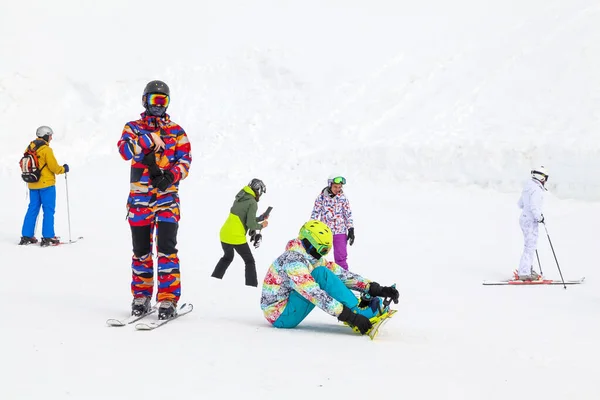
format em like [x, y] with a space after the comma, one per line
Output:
[157, 87]
[258, 187]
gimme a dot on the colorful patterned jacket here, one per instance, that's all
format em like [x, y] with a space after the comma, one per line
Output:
[334, 210]
[291, 271]
[136, 141]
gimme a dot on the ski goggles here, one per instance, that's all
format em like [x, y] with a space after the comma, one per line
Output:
[339, 179]
[158, 99]
[323, 249]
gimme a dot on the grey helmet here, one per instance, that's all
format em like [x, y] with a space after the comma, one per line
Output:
[155, 87]
[258, 187]
[43, 131]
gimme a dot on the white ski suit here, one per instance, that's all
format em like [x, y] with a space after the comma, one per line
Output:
[531, 205]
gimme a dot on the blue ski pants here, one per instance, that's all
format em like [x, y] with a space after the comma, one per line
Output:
[298, 307]
[40, 198]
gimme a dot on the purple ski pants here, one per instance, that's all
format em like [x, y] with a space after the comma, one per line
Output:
[340, 252]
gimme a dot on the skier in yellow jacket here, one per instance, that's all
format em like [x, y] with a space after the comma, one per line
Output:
[42, 194]
[242, 219]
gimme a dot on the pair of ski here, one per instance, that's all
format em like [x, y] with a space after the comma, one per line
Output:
[538, 282]
[59, 243]
[185, 308]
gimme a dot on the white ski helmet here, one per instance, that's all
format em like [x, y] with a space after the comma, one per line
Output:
[43, 131]
[336, 178]
[540, 174]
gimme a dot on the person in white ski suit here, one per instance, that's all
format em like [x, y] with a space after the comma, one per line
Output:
[530, 203]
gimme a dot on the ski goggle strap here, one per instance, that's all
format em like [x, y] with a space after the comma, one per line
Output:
[158, 99]
[339, 179]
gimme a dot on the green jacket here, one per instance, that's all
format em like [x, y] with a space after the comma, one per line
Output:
[242, 217]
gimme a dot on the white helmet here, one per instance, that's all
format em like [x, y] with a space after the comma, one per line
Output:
[43, 131]
[336, 178]
[540, 174]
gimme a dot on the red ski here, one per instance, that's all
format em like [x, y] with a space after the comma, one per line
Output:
[537, 282]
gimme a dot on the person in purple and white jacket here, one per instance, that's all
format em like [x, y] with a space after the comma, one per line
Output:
[333, 208]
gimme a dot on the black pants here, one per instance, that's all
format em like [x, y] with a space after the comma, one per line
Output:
[166, 238]
[244, 251]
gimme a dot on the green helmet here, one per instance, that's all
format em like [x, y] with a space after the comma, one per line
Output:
[318, 235]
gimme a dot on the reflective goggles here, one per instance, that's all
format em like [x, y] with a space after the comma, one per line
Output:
[158, 99]
[339, 179]
[323, 249]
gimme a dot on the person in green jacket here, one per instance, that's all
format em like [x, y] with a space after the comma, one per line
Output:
[242, 219]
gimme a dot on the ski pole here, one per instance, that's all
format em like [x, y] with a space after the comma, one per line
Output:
[555, 259]
[68, 211]
[538, 258]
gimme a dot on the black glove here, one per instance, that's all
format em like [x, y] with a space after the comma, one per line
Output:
[350, 236]
[375, 289]
[163, 181]
[149, 160]
[257, 240]
[360, 321]
[541, 221]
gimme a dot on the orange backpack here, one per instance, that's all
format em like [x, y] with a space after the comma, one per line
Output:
[29, 163]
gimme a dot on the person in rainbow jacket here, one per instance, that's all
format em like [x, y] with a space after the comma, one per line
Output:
[301, 278]
[333, 208]
[160, 155]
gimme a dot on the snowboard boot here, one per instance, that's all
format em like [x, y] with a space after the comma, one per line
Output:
[167, 309]
[50, 242]
[140, 305]
[370, 307]
[25, 240]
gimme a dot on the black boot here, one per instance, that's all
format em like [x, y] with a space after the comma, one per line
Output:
[140, 305]
[167, 309]
[50, 242]
[25, 240]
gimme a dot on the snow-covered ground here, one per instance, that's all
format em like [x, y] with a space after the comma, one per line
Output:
[434, 111]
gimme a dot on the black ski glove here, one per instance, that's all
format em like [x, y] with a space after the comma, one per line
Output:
[350, 236]
[257, 240]
[375, 289]
[163, 181]
[149, 160]
[360, 321]
[541, 221]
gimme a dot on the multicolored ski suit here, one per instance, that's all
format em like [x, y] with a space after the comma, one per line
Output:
[291, 272]
[334, 210]
[150, 209]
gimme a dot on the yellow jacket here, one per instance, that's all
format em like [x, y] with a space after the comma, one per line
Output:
[49, 166]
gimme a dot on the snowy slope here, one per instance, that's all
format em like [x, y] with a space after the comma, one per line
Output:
[434, 111]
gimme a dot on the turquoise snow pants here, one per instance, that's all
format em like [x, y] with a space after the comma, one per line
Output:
[298, 307]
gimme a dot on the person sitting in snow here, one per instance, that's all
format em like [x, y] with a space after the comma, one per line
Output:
[530, 203]
[301, 278]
